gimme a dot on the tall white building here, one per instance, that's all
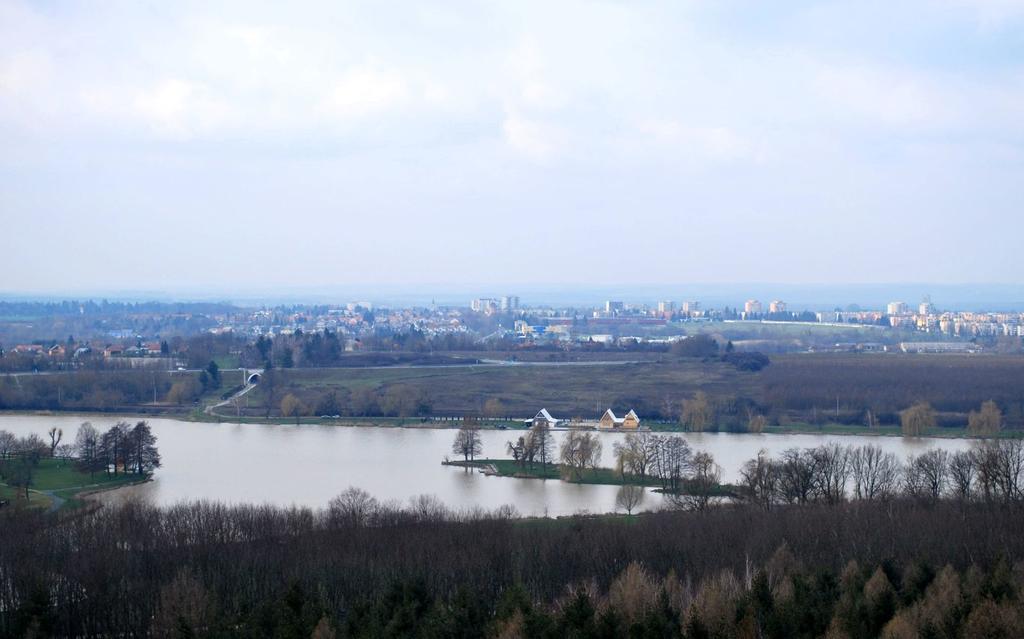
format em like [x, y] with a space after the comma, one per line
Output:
[777, 306]
[897, 308]
[484, 305]
[752, 307]
[666, 307]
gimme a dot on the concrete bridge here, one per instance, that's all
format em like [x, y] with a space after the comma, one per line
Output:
[252, 375]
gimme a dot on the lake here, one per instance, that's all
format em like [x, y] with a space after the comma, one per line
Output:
[285, 464]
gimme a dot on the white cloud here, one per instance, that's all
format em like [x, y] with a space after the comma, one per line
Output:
[719, 143]
[532, 88]
[993, 14]
[180, 108]
[595, 105]
[888, 96]
[367, 90]
[535, 139]
[24, 72]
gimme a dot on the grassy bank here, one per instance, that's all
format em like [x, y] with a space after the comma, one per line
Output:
[60, 478]
[796, 428]
[603, 476]
[598, 476]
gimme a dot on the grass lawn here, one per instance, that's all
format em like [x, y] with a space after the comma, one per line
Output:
[57, 474]
[602, 476]
[227, 361]
[16, 497]
[229, 380]
[888, 431]
[65, 481]
[605, 476]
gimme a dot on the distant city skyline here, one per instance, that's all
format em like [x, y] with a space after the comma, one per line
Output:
[234, 147]
[816, 297]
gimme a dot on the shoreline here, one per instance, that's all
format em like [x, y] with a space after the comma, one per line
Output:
[834, 430]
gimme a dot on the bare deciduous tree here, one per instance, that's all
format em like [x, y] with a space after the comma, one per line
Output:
[467, 442]
[1000, 468]
[493, 407]
[185, 608]
[756, 422]
[292, 406]
[831, 472]
[518, 450]
[700, 486]
[580, 450]
[876, 474]
[987, 421]
[56, 435]
[636, 454]
[760, 478]
[672, 459]
[917, 419]
[629, 497]
[796, 476]
[8, 443]
[962, 471]
[698, 414]
[925, 475]
[353, 507]
[542, 443]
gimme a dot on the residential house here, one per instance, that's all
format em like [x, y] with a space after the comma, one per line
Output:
[630, 421]
[543, 418]
[28, 349]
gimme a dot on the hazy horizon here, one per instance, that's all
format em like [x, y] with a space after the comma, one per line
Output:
[338, 146]
[812, 296]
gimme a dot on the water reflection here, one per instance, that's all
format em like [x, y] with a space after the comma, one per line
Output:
[286, 464]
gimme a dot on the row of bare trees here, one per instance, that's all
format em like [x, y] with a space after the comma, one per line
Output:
[366, 568]
[689, 479]
[992, 471]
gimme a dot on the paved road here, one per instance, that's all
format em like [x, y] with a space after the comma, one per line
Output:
[209, 409]
[482, 362]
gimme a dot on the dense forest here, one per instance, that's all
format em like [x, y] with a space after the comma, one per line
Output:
[898, 568]
[833, 541]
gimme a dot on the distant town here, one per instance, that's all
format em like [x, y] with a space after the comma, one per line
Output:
[67, 334]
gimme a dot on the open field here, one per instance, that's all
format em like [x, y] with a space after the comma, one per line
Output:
[802, 392]
[568, 391]
[807, 390]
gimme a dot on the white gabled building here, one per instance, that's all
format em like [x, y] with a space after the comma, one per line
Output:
[610, 422]
[545, 418]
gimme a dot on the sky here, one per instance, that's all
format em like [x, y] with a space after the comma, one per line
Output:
[235, 146]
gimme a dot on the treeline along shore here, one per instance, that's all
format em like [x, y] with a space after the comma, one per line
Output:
[793, 391]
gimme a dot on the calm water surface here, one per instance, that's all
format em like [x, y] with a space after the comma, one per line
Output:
[307, 465]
